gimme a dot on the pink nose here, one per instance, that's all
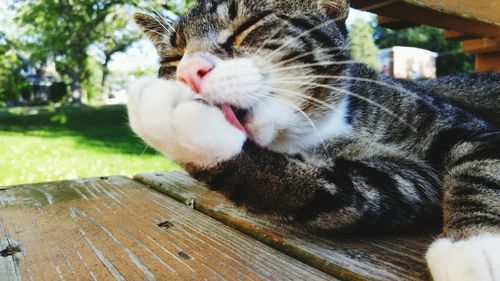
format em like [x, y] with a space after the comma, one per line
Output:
[191, 72]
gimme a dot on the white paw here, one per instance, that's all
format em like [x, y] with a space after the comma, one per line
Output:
[474, 259]
[166, 115]
[150, 104]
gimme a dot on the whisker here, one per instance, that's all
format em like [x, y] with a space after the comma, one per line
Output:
[154, 31]
[259, 50]
[280, 63]
[340, 77]
[378, 5]
[303, 96]
[164, 21]
[158, 14]
[319, 51]
[144, 151]
[306, 65]
[308, 119]
[294, 39]
[387, 110]
[261, 103]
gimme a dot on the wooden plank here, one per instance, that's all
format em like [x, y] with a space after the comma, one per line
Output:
[488, 62]
[394, 23]
[484, 45]
[8, 256]
[117, 229]
[480, 18]
[454, 35]
[363, 258]
[479, 10]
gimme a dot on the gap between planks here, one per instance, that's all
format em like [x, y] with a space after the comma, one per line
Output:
[114, 228]
[399, 257]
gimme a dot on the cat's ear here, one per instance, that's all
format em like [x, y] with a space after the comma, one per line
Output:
[338, 9]
[156, 29]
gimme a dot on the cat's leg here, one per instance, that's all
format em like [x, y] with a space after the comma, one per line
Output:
[470, 247]
[378, 192]
[167, 115]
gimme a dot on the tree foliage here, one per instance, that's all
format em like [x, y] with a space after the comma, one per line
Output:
[363, 48]
[81, 35]
[12, 84]
[451, 58]
[67, 29]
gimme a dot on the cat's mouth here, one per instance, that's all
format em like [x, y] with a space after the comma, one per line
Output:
[235, 116]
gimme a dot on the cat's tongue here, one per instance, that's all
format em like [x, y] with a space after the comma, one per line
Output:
[231, 117]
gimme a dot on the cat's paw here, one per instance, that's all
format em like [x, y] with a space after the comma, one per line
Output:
[187, 131]
[204, 136]
[151, 102]
[474, 259]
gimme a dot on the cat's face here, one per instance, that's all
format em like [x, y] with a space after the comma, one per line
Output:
[268, 61]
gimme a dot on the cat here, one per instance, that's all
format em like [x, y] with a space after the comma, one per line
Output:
[261, 101]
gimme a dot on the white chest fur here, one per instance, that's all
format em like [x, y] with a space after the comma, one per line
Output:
[333, 125]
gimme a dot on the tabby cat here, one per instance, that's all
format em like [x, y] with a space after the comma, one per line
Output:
[261, 100]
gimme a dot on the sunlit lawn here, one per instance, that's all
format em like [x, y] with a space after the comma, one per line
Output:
[45, 144]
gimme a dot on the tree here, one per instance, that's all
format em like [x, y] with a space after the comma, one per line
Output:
[178, 8]
[362, 44]
[451, 58]
[12, 84]
[115, 36]
[66, 29]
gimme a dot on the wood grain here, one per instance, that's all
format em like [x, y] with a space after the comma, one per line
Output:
[117, 229]
[480, 18]
[364, 258]
[8, 261]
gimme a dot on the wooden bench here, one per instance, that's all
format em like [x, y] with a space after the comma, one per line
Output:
[476, 23]
[166, 226]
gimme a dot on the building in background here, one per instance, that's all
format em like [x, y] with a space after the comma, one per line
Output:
[46, 83]
[408, 63]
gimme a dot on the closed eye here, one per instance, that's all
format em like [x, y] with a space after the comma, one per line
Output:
[243, 30]
[170, 61]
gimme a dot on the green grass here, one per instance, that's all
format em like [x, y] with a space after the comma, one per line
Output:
[41, 144]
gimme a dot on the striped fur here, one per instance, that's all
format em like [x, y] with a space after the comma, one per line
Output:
[415, 154]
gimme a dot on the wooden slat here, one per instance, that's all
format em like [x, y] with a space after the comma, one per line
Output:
[454, 35]
[484, 45]
[117, 229]
[480, 18]
[8, 265]
[394, 23]
[479, 10]
[488, 62]
[364, 258]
